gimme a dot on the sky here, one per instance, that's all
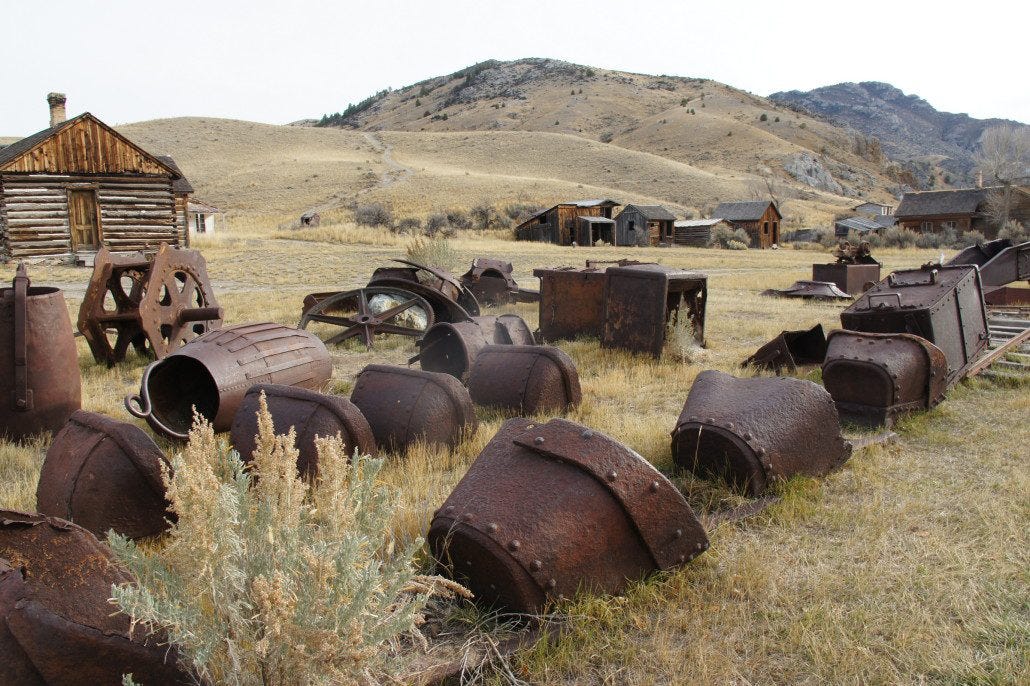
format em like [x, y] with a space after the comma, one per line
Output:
[278, 62]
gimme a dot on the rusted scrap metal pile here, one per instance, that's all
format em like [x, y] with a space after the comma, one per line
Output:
[512, 528]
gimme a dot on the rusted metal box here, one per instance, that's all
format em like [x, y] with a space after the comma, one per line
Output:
[943, 304]
[571, 302]
[850, 278]
[642, 302]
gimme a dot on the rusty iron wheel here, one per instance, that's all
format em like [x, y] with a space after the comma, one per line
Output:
[357, 314]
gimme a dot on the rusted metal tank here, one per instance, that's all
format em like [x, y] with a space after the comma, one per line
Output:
[876, 377]
[751, 432]
[547, 510]
[213, 372]
[310, 414]
[942, 304]
[643, 302]
[491, 281]
[850, 278]
[451, 348]
[790, 350]
[40, 384]
[571, 302]
[817, 290]
[104, 474]
[525, 378]
[407, 405]
[57, 627]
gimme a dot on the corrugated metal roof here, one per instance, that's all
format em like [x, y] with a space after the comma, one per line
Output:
[690, 223]
[859, 224]
[596, 220]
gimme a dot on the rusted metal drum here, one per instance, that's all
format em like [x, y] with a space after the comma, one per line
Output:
[40, 384]
[212, 373]
[549, 509]
[103, 474]
[57, 627]
[310, 414]
[406, 405]
[752, 432]
[451, 348]
[875, 378]
[525, 378]
[790, 350]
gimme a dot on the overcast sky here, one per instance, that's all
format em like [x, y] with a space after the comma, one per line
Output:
[281, 61]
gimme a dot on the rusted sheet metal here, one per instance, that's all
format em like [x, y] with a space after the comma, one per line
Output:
[155, 306]
[875, 378]
[1001, 262]
[819, 290]
[104, 474]
[310, 414]
[451, 348]
[853, 279]
[368, 312]
[751, 432]
[443, 284]
[547, 510]
[642, 302]
[942, 304]
[1008, 295]
[406, 405]
[214, 372]
[571, 302]
[40, 384]
[491, 281]
[57, 627]
[790, 350]
[525, 379]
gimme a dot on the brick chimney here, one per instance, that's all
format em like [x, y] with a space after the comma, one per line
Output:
[57, 113]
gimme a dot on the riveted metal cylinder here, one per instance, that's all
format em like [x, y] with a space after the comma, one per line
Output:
[212, 374]
[525, 378]
[310, 414]
[104, 474]
[791, 427]
[451, 348]
[548, 520]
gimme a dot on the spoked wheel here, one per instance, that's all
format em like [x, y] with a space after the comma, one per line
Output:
[368, 311]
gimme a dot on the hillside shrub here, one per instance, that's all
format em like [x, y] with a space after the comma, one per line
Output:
[970, 238]
[736, 245]
[607, 137]
[459, 219]
[1015, 232]
[412, 225]
[267, 579]
[764, 117]
[436, 223]
[432, 251]
[484, 216]
[722, 236]
[373, 214]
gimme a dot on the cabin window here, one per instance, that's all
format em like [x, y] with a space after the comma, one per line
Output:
[630, 225]
[949, 225]
[765, 227]
[928, 226]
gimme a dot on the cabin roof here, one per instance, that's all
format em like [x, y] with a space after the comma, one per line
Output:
[180, 185]
[596, 220]
[925, 203]
[749, 211]
[859, 224]
[690, 223]
[653, 212]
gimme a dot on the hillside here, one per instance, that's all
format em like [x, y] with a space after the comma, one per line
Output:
[909, 128]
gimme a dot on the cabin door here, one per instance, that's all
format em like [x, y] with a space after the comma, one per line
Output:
[84, 220]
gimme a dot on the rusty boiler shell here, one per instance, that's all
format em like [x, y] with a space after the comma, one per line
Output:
[56, 625]
[525, 378]
[406, 405]
[310, 414]
[451, 348]
[104, 474]
[875, 378]
[751, 432]
[547, 510]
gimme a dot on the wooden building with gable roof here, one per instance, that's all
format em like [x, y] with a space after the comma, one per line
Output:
[78, 185]
[760, 218]
[558, 224]
[644, 225]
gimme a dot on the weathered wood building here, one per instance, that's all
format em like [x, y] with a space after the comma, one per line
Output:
[761, 219]
[558, 224]
[79, 184]
[181, 192]
[594, 230]
[203, 218]
[696, 233]
[960, 210]
[644, 225]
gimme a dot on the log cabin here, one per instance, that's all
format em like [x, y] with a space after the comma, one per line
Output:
[960, 210]
[644, 225]
[182, 189]
[696, 233]
[558, 224]
[761, 219]
[78, 185]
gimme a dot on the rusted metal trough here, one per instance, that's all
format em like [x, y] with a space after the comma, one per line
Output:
[1001, 262]
[491, 281]
[40, 384]
[876, 378]
[404, 405]
[57, 627]
[752, 432]
[211, 375]
[104, 474]
[525, 379]
[452, 347]
[310, 414]
[548, 510]
[815, 290]
[854, 271]
[790, 350]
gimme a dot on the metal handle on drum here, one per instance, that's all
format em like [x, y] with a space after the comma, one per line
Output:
[884, 297]
[22, 392]
[139, 405]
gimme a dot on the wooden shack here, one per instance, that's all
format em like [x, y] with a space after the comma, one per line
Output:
[203, 218]
[594, 230]
[960, 210]
[696, 233]
[79, 184]
[644, 225]
[181, 192]
[760, 218]
[558, 224]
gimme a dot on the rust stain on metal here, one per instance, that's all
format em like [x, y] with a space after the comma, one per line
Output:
[525, 379]
[104, 474]
[451, 348]
[406, 405]
[548, 510]
[819, 290]
[40, 384]
[1001, 262]
[310, 414]
[790, 350]
[213, 373]
[571, 302]
[751, 432]
[492, 282]
[155, 306]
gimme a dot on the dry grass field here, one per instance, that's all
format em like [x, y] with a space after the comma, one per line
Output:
[910, 565]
